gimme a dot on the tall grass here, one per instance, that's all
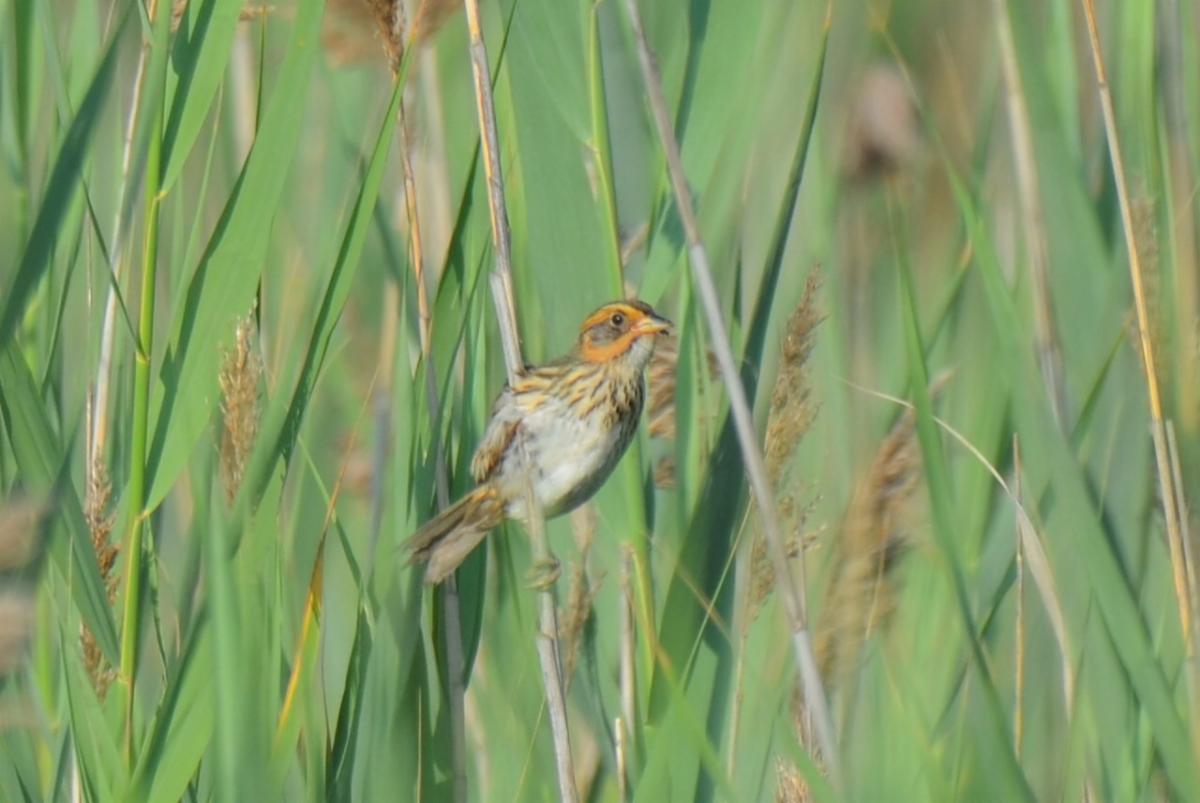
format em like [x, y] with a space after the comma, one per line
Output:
[245, 323]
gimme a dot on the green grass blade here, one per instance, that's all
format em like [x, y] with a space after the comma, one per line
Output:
[705, 553]
[222, 288]
[40, 459]
[283, 425]
[1108, 583]
[946, 529]
[202, 47]
[62, 186]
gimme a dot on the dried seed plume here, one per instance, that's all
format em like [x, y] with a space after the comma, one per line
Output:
[791, 414]
[100, 525]
[239, 406]
[861, 594]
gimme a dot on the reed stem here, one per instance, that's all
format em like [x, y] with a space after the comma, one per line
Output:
[502, 297]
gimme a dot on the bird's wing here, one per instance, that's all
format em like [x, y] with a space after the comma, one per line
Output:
[532, 389]
[501, 430]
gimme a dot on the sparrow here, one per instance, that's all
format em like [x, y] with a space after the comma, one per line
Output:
[573, 418]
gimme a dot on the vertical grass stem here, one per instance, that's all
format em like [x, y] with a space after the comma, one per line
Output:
[502, 296]
[141, 414]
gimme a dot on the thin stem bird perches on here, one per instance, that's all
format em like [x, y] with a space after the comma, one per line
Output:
[756, 473]
[502, 296]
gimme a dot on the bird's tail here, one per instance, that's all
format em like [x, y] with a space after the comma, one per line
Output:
[444, 541]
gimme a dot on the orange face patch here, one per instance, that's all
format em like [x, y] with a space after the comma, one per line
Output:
[608, 351]
[630, 313]
[610, 331]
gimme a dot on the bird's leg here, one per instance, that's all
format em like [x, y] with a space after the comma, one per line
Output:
[543, 573]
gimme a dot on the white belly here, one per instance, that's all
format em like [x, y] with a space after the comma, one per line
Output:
[571, 458]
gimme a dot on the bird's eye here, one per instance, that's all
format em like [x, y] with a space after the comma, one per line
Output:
[617, 319]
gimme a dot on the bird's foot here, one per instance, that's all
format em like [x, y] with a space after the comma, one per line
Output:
[543, 574]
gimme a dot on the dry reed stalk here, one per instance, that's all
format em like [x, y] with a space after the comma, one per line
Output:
[502, 297]
[793, 596]
[1172, 496]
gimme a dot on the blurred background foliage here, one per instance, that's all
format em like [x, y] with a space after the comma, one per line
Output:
[218, 423]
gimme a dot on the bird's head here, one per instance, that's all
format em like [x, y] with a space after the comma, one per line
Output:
[622, 332]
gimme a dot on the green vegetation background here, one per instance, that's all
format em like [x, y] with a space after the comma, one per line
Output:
[269, 442]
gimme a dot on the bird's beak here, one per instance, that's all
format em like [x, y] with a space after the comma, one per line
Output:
[652, 324]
